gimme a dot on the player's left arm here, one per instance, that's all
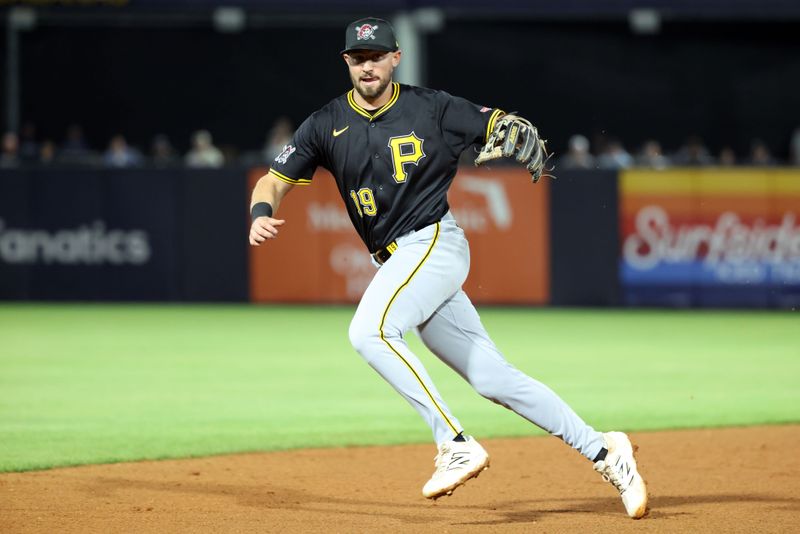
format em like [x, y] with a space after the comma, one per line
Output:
[501, 135]
[464, 124]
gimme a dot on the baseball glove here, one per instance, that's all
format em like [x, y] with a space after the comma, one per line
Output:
[517, 137]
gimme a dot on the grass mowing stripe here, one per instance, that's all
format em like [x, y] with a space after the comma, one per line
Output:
[103, 383]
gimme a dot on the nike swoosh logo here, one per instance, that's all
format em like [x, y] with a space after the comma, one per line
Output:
[337, 133]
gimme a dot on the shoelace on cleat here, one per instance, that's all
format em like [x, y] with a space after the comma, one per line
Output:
[613, 476]
[439, 459]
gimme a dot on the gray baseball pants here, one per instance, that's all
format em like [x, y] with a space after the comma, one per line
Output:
[420, 287]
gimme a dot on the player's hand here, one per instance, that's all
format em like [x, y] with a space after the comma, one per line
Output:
[264, 228]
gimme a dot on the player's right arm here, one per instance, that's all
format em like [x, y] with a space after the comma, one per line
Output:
[269, 189]
[295, 165]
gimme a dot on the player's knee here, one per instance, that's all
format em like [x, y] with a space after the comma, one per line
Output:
[363, 337]
[494, 386]
[486, 387]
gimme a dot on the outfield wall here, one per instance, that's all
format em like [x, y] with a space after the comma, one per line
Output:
[320, 258]
[677, 238]
[130, 235]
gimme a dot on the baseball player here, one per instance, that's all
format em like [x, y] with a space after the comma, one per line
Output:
[393, 151]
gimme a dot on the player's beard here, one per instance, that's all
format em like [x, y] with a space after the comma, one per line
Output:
[370, 93]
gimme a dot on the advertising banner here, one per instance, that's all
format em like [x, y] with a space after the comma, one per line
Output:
[710, 237]
[97, 234]
[318, 256]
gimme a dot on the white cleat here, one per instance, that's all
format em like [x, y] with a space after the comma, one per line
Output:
[619, 468]
[457, 462]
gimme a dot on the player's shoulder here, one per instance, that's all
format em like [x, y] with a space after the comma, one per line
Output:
[321, 119]
[328, 114]
[422, 92]
[437, 99]
[414, 97]
[334, 106]
[322, 115]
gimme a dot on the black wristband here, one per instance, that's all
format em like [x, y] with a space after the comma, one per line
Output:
[261, 209]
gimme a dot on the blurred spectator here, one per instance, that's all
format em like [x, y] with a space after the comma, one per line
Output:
[727, 157]
[47, 152]
[278, 137]
[75, 150]
[120, 154]
[577, 156]
[694, 152]
[75, 140]
[760, 154]
[162, 152]
[652, 156]
[9, 157]
[203, 153]
[28, 147]
[794, 148]
[22, 149]
[614, 156]
[230, 153]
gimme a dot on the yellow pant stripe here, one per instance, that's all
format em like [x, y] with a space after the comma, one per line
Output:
[383, 338]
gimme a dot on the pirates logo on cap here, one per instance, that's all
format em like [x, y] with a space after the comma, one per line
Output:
[365, 32]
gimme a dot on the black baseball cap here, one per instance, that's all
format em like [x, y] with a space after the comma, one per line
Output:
[370, 34]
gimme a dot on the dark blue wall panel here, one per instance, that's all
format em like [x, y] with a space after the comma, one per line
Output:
[123, 235]
[584, 239]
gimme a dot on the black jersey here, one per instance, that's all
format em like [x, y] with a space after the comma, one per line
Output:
[394, 165]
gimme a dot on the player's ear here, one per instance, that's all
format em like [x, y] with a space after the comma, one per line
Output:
[396, 57]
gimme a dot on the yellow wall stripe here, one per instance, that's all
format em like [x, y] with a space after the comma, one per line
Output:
[493, 119]
[737, 181]
[383, 338]
[288, 180]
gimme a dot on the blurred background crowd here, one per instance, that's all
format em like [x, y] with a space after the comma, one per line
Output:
[26, 149]
[202, 84]
[607, 152]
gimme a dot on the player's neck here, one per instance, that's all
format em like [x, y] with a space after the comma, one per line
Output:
[376, 102]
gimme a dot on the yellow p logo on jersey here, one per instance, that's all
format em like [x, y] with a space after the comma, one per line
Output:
[405, 149]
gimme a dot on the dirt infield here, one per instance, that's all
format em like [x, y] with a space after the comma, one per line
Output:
[728, 480]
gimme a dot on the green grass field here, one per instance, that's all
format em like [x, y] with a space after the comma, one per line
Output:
[105, 383]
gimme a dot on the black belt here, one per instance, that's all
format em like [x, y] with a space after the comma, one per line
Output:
[382, 255]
